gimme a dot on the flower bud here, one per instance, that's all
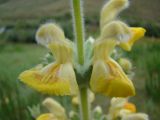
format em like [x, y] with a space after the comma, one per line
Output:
[98, 110]
[73, 115]
[125, 64]
[55, 108]
[91, 98]
[97, 113]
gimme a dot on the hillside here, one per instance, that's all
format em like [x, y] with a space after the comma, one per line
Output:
[27, 9]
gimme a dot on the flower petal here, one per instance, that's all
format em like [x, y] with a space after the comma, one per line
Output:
[47, 116]
[117, 30]
[130, 106]
[118, 102]
[51, 79]
[49, 33]
[118, 83]
[52, 36]
[109, 79]
[135, 116]
[137, 33]
[99, 74]
[103, 49]
[62, 51]
[111, 10]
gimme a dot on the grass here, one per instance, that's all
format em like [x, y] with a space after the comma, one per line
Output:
[35, 9]
[40, 8]
[15, 97]
[21, 24]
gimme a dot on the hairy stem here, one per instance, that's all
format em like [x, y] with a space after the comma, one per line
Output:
[79, 29]
[84, 105]
[79, 34]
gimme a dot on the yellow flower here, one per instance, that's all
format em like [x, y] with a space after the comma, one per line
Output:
[135, 116]
[121, 108]
[57, 78]
[116, 105]
[130, 106]
[110, 27]
[47, 116]
[137, 33]
[107, 76]
[57, 112]
[111, 10]
[124, 35]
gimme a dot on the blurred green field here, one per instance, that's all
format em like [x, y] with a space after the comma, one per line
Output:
[21, 25]
[28, 9]
[146, 60]
[15, 97]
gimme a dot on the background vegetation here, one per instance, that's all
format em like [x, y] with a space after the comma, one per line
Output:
[19, 20]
